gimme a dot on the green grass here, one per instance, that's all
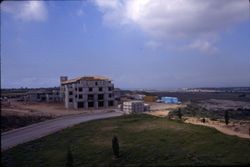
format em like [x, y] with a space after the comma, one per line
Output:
[144, 140]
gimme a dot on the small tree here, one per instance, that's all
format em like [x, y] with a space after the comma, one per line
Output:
[169, 116]
[115, 146]
[226, 117]
[179, 113]
[203, 120]
[70, 160]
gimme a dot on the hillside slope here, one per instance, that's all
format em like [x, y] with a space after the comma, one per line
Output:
[144, 140]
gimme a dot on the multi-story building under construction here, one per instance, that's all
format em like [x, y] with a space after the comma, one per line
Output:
[87, 92]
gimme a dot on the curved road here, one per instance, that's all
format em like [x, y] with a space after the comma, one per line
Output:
[35, 131]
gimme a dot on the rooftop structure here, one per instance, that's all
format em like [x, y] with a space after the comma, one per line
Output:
[64, 79]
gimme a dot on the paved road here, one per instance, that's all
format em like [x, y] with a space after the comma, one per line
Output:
[35, 131]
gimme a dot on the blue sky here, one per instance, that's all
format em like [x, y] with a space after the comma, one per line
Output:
[139, 44]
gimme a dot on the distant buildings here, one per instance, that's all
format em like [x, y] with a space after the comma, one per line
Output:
[150, 98]
[88, 92]
[138, 96]
[170, 100]
[43, 95]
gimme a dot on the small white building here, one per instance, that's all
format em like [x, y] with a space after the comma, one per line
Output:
[134, 106]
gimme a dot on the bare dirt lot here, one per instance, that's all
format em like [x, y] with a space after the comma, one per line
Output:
[39, 109]
[235, 127]
[15, 114]
[162, 109]
[238, 127]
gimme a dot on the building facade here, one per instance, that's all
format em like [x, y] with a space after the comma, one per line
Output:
[134, 106]
[87, 92]
[43, 95]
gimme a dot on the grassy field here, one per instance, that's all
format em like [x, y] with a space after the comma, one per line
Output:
[144, 140]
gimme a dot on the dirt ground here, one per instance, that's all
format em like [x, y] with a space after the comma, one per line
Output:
[235, 127]
[162, 109]
[238, 128]
[13, 107]
[163, 106]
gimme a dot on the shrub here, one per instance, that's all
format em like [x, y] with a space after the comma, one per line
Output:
[203, 120]
[115, 146]
[179, 113]
[226, 117]
[69, 162]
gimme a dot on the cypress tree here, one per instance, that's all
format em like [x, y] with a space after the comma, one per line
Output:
[115, 146]
[226, 117]
[70, 160]
[179, 113]
[203, 120]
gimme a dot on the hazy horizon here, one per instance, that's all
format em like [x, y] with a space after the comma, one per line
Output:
[138, 44]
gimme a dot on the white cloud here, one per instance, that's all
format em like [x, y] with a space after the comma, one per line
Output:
[26, 10]
[108, 4]
[112, 10]
[153, 44]
[79, 12]
[203, 46]
[176, 19]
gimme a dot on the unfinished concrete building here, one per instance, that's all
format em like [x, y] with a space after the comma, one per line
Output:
[87, 92]
[43, 95]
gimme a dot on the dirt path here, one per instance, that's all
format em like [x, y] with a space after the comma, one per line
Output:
[242, 130]
[220, 127]
[159, 113]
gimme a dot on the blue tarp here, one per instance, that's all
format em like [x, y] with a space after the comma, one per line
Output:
[172, 100]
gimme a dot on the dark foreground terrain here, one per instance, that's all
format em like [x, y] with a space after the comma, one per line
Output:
[9, 122]
[144, 140]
